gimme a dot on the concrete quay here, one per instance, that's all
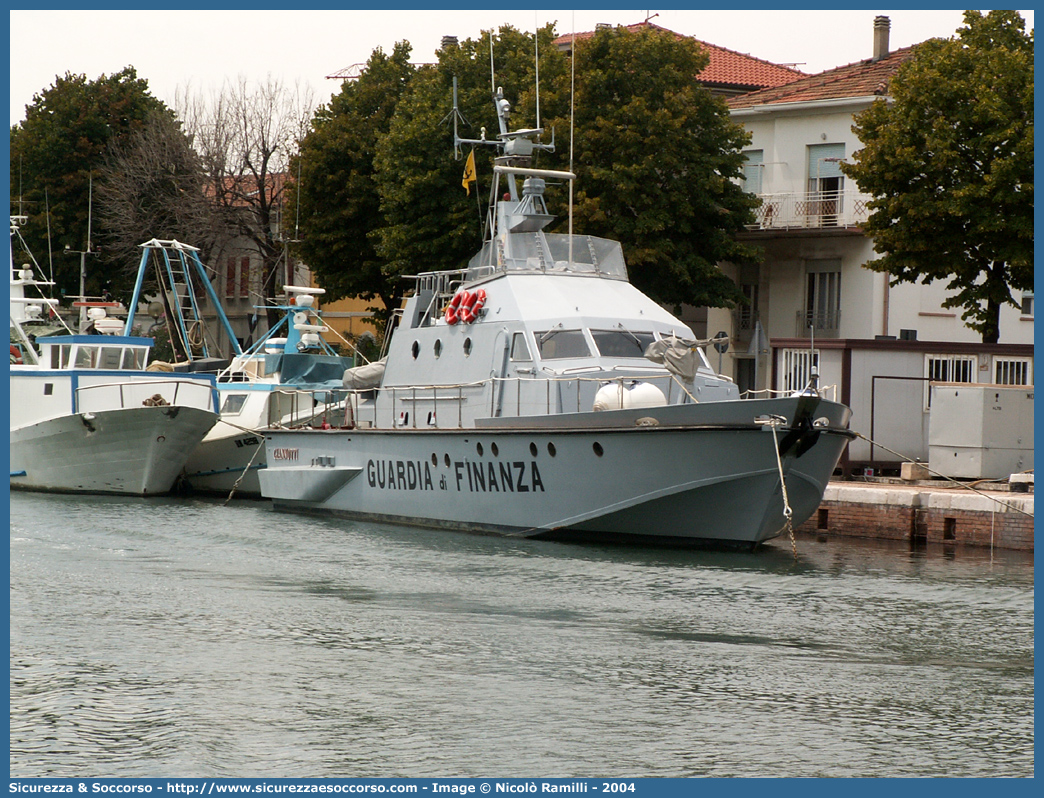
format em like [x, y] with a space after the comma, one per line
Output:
[935, 512]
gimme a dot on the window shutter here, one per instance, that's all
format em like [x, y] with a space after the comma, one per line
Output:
[818, 167]
[752, 171]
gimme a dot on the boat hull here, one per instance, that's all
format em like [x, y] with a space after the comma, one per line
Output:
[231, 455]
[135, 451]
[227, 459]
[683, 475]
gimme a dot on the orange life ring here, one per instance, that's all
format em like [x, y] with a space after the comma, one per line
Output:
[453, 308]
[471, 312]
[16, 355]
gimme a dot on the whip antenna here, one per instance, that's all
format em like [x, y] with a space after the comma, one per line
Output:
[536, 56]
[492, 77]
[572, 114]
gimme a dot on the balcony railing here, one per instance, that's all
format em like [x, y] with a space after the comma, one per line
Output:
[744, 318]
[824, 323]
[825, 209]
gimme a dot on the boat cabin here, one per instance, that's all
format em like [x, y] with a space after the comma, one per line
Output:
[95, 352]
[556, 321]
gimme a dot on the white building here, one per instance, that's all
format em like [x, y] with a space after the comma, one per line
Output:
[880, 346]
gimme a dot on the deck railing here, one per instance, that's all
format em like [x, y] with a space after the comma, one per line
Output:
[445, 406]
[140, 393]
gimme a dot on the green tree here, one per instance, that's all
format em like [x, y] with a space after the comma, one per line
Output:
[949, 162]
[57, 150]
[338, 204]
[658, 159]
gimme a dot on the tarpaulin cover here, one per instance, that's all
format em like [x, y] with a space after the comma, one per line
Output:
[324, 371]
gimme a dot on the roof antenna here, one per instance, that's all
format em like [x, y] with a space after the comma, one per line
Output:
[492, 77]
[50, 253]
[572, 114]
[536, 57]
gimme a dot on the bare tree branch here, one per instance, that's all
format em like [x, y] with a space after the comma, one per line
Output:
[245, 136]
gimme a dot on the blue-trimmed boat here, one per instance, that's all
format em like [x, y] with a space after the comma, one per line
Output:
[261, 386]
[87, 415]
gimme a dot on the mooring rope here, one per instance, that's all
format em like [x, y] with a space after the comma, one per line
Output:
[235, 486]
[958, 483]
[788, 513]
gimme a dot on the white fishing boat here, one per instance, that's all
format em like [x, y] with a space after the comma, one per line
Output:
[260, 386]
[538, 393]
[289, 374]
[86, 414]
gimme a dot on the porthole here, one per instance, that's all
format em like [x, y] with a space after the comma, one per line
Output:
[416, 349]
[447, 460]
[551, 449]
[493, 448]
[598, 449]
[438, 348]
[434, 459]
[478, 448]
[533, 449]
[467, 347]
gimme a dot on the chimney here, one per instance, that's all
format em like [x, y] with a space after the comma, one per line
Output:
[882, 25]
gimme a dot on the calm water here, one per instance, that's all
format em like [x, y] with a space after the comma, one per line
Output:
[183, 638]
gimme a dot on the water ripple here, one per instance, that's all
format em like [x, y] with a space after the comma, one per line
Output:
[153, 638]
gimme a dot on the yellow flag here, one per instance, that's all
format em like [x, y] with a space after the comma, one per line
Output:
[469, 172]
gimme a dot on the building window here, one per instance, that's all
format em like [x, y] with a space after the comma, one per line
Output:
[1013, 371]
[826, 184]
[230, 278]
[797, 368]
[947, 368]
[822, 297]
[747, 312]
[752, 170]
[244, 277]
[237, 280]
[1027, 303]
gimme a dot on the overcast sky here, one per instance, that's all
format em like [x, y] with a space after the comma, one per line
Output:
[205, 48]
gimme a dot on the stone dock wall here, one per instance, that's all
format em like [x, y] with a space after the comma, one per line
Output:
[925, 514]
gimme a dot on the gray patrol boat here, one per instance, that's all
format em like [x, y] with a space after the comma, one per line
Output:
[537, 393]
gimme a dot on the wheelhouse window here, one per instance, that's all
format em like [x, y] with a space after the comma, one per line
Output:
[520, 348]
[559, 344]
[622, 343]
[233, 404]
[134, 358]
[84, 358]
[110, 357]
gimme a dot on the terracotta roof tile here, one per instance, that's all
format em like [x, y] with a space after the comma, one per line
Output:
[726, 67]
[861, 79]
